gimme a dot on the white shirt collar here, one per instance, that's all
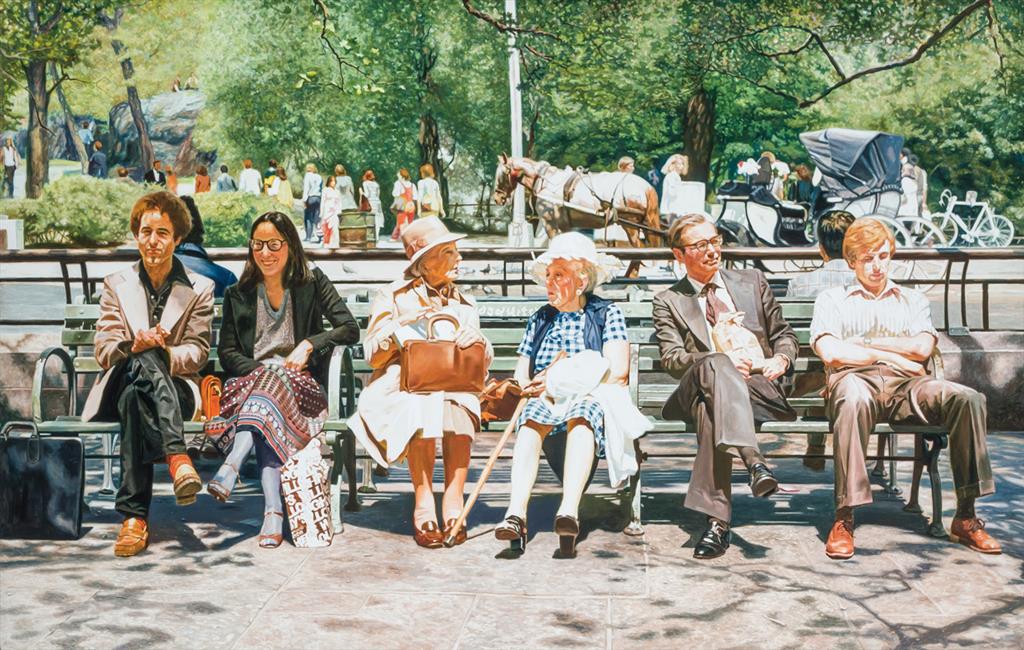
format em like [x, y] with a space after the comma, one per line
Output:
[890, 288]
[699, 286]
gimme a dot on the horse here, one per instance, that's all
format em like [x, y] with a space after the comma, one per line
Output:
[568, 198]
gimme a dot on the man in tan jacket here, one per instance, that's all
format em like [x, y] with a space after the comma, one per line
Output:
[152, 339]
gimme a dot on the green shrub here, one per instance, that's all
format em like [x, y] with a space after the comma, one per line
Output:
[81, 211]
[24, 209]
[227, 216]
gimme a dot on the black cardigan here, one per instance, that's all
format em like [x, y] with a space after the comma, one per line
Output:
[311, 304]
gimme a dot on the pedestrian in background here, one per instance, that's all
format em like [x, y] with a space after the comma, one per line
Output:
[428, 193]
[404, 203]
[330, 207]
[11, 163]
[281, 190]
[98, 161]
[312, 188]
[250, 180]
[369, 200]
[202, 180]
[345, 187]
[224, 182]
[172, 180]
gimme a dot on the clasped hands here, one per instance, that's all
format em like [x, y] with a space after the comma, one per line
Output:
[773, 368]
[154, 337]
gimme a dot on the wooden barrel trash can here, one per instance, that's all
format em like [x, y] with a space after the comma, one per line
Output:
[356, 229]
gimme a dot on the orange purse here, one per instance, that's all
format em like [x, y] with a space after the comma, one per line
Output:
[209, 391]
[499, 401]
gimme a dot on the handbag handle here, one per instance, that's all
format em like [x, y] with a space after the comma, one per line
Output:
[440, 317]
[35, 442]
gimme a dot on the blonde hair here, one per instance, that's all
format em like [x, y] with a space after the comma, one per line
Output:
[684, 223]
[625, 162]
[311, 168]
[426, 170]
[677, 162]
[866, 234]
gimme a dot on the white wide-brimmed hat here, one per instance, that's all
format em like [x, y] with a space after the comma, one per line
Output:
[575, 246]
[424, 234]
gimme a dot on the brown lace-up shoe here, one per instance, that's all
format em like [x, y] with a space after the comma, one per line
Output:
[971, 533]
[133, 538]
[840, 540]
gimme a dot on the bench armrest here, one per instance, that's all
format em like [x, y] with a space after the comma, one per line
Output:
[37, 381]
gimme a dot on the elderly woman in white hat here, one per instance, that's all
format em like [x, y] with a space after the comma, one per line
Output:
[393, 424]
[574, 361]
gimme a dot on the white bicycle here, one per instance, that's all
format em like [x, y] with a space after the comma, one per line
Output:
[983, 226]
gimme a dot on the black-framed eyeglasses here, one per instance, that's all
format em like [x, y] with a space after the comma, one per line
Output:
[273, 244]
[702, 245]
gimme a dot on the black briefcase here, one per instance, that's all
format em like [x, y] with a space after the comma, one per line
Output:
[42, 480]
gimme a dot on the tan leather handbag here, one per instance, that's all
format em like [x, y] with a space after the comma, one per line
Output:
[499, 400]
[431, 365]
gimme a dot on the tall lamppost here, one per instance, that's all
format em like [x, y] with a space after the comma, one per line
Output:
[519, 233]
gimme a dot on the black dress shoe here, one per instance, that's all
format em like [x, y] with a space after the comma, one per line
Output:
[762, 482]
[568, 529]
[714, 543]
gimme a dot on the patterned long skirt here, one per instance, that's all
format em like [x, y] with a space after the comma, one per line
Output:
[287, 408]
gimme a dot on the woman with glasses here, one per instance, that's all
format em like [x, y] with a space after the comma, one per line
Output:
[274, 346]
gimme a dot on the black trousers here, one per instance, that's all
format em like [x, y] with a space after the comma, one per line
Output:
[149, 406]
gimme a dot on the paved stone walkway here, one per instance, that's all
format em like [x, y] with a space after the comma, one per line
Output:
[204, 583]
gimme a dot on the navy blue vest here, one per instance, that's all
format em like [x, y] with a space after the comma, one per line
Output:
[593, 325]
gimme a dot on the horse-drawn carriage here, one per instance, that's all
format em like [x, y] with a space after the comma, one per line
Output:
[572, 199]
[860, 173]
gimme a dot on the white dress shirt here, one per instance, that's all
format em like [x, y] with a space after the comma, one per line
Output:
[250, 181]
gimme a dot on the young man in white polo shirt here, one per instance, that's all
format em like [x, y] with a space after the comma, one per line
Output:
[875, 339]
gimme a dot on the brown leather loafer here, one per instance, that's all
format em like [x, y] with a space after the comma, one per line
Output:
[429, 535]
[840, 540]
[133, 538]
[186, 480]
[971, 533]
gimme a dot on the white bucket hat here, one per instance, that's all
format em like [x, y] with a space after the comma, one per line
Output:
[423, 235]
[575, 246]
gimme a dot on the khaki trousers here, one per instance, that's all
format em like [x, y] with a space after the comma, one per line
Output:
[713, 396]
[858, 398]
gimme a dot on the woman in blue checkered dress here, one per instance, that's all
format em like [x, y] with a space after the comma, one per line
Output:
[567, 421]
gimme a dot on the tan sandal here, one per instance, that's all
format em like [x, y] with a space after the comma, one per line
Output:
[271, 541]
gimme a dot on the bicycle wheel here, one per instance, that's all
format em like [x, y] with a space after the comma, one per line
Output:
[923, 233]
[997, 233]
[903, 238]
[950, 230]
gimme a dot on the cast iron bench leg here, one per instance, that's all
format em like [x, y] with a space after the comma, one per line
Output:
[108, 465]
[349, 455]
[892, 485]
[913, 505]
[936, 529]
[631, 498]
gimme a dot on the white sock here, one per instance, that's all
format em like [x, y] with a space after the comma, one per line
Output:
[271, 479]
[579, 458]
[525, 462]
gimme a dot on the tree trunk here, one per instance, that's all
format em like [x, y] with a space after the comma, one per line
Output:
[146, 155]
[38, 134]
[699, 134]
[69, 123]
[430, 151]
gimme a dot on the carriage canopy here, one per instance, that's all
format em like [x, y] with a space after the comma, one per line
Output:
[855, 163]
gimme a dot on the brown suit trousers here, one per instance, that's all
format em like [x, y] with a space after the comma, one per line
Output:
[860, 397]
[725, 408]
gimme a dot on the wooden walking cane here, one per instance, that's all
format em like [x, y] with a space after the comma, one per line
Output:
[450, 540]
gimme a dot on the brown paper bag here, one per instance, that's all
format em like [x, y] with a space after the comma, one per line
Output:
[730, 336]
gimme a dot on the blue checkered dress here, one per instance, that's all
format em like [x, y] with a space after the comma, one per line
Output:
[566, 334]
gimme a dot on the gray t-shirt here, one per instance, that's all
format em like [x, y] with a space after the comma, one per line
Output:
[275, 334]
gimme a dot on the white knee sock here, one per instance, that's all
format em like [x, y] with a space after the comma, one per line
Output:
[579, 458]
[525, 461]
[271, 479]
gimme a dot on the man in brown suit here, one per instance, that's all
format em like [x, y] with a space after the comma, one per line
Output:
[720, 393]
[153, 335]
